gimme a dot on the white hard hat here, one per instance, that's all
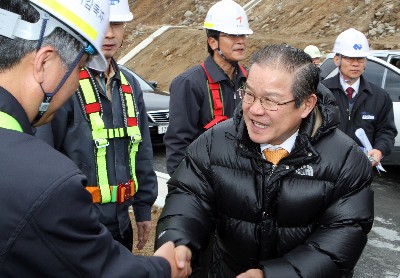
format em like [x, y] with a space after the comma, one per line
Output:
[87, 20]
[313, 51]
[119, 11]
[228, 17]
[351, 43]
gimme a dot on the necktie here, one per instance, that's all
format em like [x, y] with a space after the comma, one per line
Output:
[349, 92]
[274, 156]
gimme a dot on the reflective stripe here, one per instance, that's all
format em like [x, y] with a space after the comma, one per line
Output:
[216, 98]
[71, 17]
[91, 106]
[8, 122]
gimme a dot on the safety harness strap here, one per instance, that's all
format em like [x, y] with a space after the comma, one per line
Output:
[89, 95]
[9, 122]
[216, 98]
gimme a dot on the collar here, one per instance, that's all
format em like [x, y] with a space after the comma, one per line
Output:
[218, 74]
[10, 105]
[287, 145]
[355, 86]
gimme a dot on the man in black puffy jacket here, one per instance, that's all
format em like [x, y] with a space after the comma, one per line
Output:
[307, 215]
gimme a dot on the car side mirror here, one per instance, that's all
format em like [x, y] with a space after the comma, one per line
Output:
[153, 83]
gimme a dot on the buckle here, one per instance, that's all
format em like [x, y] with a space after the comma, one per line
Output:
[124, 192]
[133, 140]
[101, 143]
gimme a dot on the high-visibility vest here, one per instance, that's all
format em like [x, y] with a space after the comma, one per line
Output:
[215, 92]
[9, 122]
[89, 97]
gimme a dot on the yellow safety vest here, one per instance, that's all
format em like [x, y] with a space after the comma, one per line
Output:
[103, 192]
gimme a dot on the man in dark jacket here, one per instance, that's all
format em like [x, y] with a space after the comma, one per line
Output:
[307, 215]
[48, 225]
[361, 103]
[196, 102]
[120, 106]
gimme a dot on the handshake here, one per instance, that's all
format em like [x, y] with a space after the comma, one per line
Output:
[178, 257]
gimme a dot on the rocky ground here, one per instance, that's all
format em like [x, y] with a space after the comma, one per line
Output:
[297, 22]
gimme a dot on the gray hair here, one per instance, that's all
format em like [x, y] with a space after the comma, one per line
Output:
[294, 61]
[13, 50]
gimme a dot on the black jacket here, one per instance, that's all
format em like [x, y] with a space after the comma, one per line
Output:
[372, 111]
[190, 107]
[307, 217]
[72, 136]
[48, 225]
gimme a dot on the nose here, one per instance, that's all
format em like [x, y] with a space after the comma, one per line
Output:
[256, 108]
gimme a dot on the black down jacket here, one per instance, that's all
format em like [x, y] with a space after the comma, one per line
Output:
[307, 217]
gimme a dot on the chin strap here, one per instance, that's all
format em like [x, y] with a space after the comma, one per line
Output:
[49, 96]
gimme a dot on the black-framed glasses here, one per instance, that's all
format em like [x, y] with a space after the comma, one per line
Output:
[233, 36]
[268, 104]
[354, 59]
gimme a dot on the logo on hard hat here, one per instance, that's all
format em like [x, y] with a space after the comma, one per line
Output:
[357, 46]
[114, 2]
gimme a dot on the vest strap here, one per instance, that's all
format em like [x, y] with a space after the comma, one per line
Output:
[217, 101]
[91, 106]
[9, 122]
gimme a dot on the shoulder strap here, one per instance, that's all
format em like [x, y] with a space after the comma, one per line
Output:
[216, 100]
[9, 122]
[91, 105]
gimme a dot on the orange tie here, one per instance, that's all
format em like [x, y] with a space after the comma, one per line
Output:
[274, 156]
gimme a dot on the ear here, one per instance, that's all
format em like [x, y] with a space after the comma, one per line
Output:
[42, 57]
[309, 105]
[212, 42]
[336, 60]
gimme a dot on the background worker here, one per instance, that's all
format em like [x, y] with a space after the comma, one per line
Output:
[314, 53]
[48, 225]
[127, 162]
[284, 199]
[362, 104]
[202, 97]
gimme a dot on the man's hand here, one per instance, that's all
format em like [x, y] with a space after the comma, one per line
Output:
[179, 258]
[252, 273]
[143, 230]
[375, 156]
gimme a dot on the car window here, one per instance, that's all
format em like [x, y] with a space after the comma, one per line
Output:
[327, 67]
[143, 84]
[392, 85]
[374, 73]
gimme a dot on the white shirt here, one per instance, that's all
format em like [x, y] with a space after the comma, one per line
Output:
[355, 86]
[287, 145]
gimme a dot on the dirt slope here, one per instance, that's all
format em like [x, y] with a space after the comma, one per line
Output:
[298, 23]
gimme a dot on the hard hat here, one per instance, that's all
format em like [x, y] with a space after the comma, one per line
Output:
[313, 51]
[351, 43]
[78, 18]
[228, 17]
[119, 11]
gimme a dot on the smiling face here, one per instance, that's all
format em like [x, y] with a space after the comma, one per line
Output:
[273, 127]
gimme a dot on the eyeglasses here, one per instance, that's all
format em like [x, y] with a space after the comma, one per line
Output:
[233, 36]
[354, 59]
[266, 103]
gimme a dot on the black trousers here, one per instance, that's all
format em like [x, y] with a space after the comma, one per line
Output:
[127, 238]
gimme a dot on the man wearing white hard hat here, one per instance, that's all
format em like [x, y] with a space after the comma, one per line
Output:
[314, 53]
[48, 225]
[362, 104]
[207, 94]
[104, 130]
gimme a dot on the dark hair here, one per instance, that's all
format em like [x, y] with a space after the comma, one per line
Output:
[215, 35]
[294, 61]
[13, 50]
